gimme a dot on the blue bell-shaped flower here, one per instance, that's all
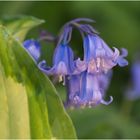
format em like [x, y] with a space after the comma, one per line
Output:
[63, 63]
[87, 90]
[99, 56]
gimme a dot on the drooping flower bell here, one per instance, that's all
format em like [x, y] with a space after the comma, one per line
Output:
[89, 87]
[87, 90]
[62, 62]
[63, 58]
[100, 57]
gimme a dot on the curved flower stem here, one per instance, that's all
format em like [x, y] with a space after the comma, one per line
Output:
[66, 30]
[46, 36]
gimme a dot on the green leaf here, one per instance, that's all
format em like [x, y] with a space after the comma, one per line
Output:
[14, 113]
[19, 26]
[47, 116]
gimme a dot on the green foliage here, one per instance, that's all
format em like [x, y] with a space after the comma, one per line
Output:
[14, 113]
[20, 25]
[29, 104]
[103, 122]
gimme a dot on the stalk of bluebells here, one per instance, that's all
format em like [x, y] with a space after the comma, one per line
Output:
[86, 80]
[134, 92]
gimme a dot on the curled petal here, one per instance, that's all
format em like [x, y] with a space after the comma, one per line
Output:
[121, 61]
[124, 52]
[116, 53]
[60, 69]
[44, 68]
[107, 102]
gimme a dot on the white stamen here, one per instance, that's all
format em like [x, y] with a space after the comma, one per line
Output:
[60, 78]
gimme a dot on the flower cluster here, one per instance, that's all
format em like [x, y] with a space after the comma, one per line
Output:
[86, 79]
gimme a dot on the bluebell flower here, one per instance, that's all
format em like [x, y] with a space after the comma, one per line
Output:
[87, 80]
[133, 93]
[99, 57]
[63, 58]
[63, 63]
[87, 89]
[33, 48]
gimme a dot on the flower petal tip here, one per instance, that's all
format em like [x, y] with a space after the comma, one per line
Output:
[107, 102]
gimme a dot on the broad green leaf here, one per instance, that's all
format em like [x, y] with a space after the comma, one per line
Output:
[19, 26]
[48, 118]
[14, 113]
[39, 124]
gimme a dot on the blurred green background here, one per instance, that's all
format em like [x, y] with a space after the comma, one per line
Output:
[119, 25]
